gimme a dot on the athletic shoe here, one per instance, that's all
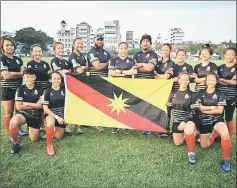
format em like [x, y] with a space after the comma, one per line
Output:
[42, 134]
[50, 150]
[15, 148]
[146, 132]
[192, 158]
[22, 133]
[67, 130]
[225, 165]
[115, 130]
[99, 128]
[79, 131]
[11, 140]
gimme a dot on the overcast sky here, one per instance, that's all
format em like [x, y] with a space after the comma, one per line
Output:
[213, 20]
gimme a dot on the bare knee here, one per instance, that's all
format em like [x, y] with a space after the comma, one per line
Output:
[204, 145]
[13, 123]
[178, 143]
[50, 122]
[34, 138]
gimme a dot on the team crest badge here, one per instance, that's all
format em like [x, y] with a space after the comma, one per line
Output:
[17, 61]
[184, 68]
[36, 92]
[208, 68]
[186, 96]
[221, 69]
[105, 53]
[29, 66]
[62, 93]
[127, 61]
[36, 66]
[232, 70]
[25, 93]
[148, 55]
[214, 96]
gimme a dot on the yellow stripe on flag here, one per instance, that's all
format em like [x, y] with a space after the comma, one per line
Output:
[153, 91]
[78, 111]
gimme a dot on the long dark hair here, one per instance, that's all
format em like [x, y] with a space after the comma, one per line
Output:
[73, 42]
[170, 47]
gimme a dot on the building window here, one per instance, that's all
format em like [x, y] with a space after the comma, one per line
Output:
[59, 40]
[65, 40]
[62, 40]
[66, 45]
[62, 34]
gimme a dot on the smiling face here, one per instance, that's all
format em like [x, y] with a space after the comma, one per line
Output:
[145, 44]
[36, 52]
[123, 50]
[99, 42]
[59, 49]
[56, 79]
[8, 47]
[211, 81]
[29, 78]
[205, 55]
[180, 57]
[165, 51]
[78, 45]
[183, 80]
[230, 56]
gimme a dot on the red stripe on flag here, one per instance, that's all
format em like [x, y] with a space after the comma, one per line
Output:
[100, 101]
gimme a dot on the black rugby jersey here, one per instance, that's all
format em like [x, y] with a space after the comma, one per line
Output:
[76, 61]
[177, 70]
[161, 68]
[203, 72]
[24, 94]
[101, 55]
[42, 71]
[179, 102]
[146, 57]
[54, 100]
[122, 64]
[11, 65]
[59, 64]
[213, 99]
[227, 73]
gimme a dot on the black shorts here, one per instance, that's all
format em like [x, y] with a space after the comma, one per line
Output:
[56, 123]
[207, 129]
[175, 128]
[31, 122]
[8, 94]
[230, 109]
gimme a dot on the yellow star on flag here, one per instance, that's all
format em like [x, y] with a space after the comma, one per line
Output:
[118, 104]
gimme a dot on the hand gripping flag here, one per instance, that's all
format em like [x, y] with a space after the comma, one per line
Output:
[117, 102]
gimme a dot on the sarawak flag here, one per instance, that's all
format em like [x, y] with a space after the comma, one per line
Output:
[117, 102]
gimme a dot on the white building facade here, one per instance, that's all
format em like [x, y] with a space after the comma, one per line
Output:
[112, 36]
[9, 34]
[66, 36]
[83, 31]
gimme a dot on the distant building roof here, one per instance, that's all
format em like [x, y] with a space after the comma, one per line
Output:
[63, 22]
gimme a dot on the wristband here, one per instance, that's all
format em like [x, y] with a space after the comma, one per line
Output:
[56, 116]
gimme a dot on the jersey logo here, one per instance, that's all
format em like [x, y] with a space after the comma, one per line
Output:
[18, 62]
[51, 94]
[232, 70]
[127, 61]
[165, 65]
[74, 63]
[36, 92]
[186, 96]
[208, 68]
[29, 66]
[25, 93]
[105, 53]
[184, 68]
[36, 66]
[62, 93]
[54, 66]
[148, 55]
[221, 69]
[44, 66]
[214, 96]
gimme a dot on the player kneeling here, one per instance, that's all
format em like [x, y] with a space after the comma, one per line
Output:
[53, 104]
[210, 106]
[28, 108]
[179, 103]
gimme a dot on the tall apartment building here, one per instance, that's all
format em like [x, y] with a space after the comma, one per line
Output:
[112, 36]
[176, 35]
[129, 39]
[66, 36]
[83, 31]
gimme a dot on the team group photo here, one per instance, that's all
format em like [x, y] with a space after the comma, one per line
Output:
[92, 107]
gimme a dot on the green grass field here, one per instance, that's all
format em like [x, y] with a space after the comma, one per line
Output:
[102, 159]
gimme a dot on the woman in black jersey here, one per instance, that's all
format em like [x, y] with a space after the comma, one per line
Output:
[122, 66]
[209, 105]
[204, 68]
[42, 71]
[164, 69]
[53, 100]
[58, 63]
[227, 85]
[183, 127]
[29, 110]
[11, 78]
[181, 66]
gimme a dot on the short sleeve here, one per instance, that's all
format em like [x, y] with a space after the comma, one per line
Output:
[19, 94]
[214, 68]
[169, 102]
[134, 62]
[92, 56]
[21, 62]
[54, 65]
[190, 69]
[4, 66]
[72, 60]
[111, 64]
[109, 56]
[195, 69]
[46, 97]
[153, 59]
[221, 100]
[135, 57]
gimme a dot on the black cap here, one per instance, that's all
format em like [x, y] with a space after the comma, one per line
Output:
[146, 36]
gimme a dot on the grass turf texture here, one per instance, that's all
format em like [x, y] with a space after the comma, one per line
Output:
[102, 159]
